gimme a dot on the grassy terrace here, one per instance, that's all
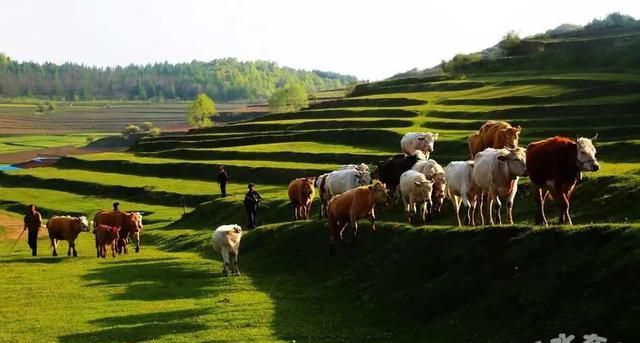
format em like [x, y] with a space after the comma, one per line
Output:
[399, 284]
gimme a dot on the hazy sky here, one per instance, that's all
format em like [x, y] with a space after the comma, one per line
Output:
[370, 39]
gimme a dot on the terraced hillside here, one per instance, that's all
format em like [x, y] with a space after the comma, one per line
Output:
[400, 284]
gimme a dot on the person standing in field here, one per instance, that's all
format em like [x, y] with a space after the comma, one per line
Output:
[116, 207]
[223, 177]
[32, 222]
[252, 204]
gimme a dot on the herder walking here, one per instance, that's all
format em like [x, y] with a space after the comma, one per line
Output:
[223, 178]
[252, 204]
[33, 222]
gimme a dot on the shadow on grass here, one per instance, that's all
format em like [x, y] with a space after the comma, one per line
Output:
[154, 279]
[34, 260]
[140, 327]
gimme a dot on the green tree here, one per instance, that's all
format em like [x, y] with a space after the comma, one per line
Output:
[289, 98]
[200, 111]
[510, 43]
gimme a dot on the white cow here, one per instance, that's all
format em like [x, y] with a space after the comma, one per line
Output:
[363, 167]
[226, 241]
[461, 189]
[423, 141]
[340, 181]
[496, 173]
[415, 189]
[434, 172]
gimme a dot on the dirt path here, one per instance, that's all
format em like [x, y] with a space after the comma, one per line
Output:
[12, 226]
[22, 156]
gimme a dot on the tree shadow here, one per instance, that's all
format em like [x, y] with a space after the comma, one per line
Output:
[156, 279]
[140, 327]
[34, 260]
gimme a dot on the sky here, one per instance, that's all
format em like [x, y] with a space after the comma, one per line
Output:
[370, 39]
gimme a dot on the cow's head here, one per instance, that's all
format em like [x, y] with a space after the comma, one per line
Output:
[516, 161]
[237, 228]
[510, 136]
[308, 185]
[427, 141]
[420, 156]
[380, 193]
[439, 191]
[586, 154]
[84, 223]
[363, 178]
[134, 221]
[423, 189]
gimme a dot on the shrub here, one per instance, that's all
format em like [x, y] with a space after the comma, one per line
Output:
[510, 43]
[289, 98]
[130, 130]
[154, 132]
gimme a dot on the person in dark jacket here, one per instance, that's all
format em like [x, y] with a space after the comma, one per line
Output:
[116, 207]
[223, 178]
[33, 222]
[252, 204]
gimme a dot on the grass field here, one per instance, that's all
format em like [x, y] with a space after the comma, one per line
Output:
[400, 284]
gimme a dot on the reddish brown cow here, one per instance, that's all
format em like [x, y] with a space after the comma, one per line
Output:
[129, 222]
[106, 235]
[347, 208]
[494, 134]
[301, 193]
[555, 165]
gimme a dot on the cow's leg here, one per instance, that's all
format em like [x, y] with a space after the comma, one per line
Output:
[54, 244]
[72, 244]
[490, 208]
[564, 208]
[539, 195]
[372, 218]
[510, 200]
[471, 212]
[428, 212]
[455, 200]
[113, 250]
[236, 262]
[481, 198]
[498, 209]
[354, 227]
[137, 238]
[225, 258]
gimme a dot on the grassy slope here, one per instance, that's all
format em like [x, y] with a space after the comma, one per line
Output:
[399, 284]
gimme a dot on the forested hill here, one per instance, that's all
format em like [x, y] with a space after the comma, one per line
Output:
[222, 79]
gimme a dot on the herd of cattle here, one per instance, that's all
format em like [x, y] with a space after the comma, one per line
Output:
[351, 192]
[111, 229]
[554, 166]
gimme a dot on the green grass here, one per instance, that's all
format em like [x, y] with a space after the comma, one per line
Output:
[12, 143]
[399, 284]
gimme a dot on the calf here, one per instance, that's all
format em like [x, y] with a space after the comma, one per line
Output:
[461, 189]
[66, 228]
[347, 208]
[389, 170]
[415, 191]
[494, 134]
[226, 241]
[129, 222]
[555, 166]
[301, 193]
[421, 141]
[323, 194]
[434, 172]
[496, 173]
[106, 236]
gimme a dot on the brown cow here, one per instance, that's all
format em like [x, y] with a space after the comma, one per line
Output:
[106, 235]
[66, 228]
[129, 222]
[494, 134]
[358, 203]
[555, 165]
[301, 193]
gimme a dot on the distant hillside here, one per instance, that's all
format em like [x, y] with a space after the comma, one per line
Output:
[609, 43]
[222, 79]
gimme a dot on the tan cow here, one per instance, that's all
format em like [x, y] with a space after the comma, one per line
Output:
[358, 203]
[66, 228]
[494, 134]
[301, 193]
[106, 236]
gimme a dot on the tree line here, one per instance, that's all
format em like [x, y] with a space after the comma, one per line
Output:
[222, 79]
